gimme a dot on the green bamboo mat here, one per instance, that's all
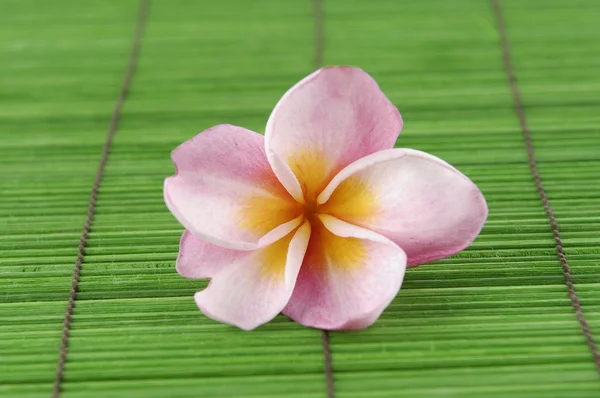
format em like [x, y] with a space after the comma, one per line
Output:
[493, 321]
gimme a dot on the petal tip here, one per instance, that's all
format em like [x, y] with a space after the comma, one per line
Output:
[342, 68]
[360, 322]
[181, 270]
[241, 324]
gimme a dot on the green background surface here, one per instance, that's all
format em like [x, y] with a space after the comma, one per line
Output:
[492, 321]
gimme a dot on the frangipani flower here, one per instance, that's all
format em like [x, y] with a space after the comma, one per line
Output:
[319, 218]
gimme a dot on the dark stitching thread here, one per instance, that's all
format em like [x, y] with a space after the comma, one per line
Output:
[318, 15]
[538, 183]
[328, 367]
[318, 10]
[141, 21]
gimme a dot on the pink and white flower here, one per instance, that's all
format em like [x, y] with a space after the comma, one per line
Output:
[319, 218]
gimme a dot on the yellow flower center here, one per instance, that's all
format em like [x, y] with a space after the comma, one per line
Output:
[352, 201]
[310, 209]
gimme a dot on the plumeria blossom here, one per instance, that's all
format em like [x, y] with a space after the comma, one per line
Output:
[319, 218]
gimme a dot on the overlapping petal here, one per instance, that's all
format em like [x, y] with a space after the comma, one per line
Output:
[248, 288]
[420, 202]
[199, 259]
[225, 191]
[328, 120]
[349, 276]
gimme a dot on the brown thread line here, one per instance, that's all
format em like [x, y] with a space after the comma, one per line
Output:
[575, 302]
[318, 12]
[141, 22]
[318, 60]
[328, 366]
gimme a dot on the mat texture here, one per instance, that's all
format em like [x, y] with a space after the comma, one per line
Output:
[493, 321]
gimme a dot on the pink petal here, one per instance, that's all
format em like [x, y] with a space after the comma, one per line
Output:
[252, 287]
[349, 276]
[420, 202]
[199, 259]
[328, 120]
[225, 191]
